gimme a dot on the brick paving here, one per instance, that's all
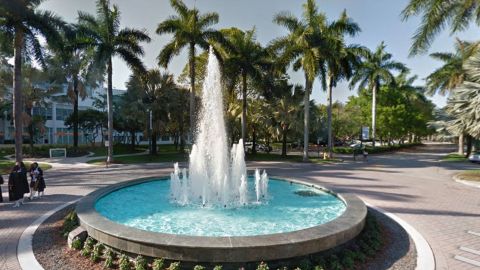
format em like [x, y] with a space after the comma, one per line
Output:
[413, 185]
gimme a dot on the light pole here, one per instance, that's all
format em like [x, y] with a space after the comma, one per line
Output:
[150, 143]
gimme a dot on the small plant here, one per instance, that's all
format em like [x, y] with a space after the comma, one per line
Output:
[158, 264]
[97, 252]
[319, 267]
[70, 222]
[86, 250]
[218, 267]
[198, 267]
[77, 243]
[348, 260]
[140, 263]
[305, 264]
[335, 263]
[109, 258]
[124, 263]
[174, 266]
[262, 266]
[90, 242]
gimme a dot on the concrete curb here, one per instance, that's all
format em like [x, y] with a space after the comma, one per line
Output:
[466, 182]
[25, 255]
[425, 257]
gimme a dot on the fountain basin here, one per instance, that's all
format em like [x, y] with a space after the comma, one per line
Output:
[221, 249]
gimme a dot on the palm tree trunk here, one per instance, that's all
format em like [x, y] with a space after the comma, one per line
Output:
[460, 144]
[329, 113]
[469, 145]
[284, 143]
[75, 114]
[110, 111]
[192, 90]
[17, 93]
[244, 107]
[306, 120]
[374, 111]
[132, 138]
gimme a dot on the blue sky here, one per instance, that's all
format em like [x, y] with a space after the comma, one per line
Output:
[379, 19]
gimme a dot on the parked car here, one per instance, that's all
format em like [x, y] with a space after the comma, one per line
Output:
[474, 157]
[264, 148]
[249, 147]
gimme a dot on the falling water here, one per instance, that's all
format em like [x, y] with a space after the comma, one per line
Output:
[216, 177]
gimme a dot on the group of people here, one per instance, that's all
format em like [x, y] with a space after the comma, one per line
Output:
[18, 184]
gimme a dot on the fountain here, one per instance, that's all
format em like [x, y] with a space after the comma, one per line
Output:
[215, 212]
[215, 177]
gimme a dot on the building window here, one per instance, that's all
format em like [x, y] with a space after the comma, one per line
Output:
[165, 138]
[63, 114]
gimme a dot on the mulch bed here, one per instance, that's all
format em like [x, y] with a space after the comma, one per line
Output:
[51, 251]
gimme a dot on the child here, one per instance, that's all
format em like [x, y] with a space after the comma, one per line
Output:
[40, 181]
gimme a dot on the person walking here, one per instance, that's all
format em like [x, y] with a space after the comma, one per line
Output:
[40, 180]
[18, 184]
[1, 183]
[33, 181]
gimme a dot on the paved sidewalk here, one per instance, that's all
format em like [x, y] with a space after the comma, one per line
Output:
[413, 185]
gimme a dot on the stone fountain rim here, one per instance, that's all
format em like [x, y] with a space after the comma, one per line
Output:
[222, 249]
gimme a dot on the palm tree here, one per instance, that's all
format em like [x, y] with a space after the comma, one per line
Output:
[375, 70]
[244, 59]
[23, 23]
[158, 88]
[71, 65]
[451, 74]
[437, 15]
[302, 48]
[340, 62]
[189, 29]
[104, 35]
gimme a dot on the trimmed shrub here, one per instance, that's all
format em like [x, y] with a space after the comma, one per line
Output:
[158, 264]
[140, 263]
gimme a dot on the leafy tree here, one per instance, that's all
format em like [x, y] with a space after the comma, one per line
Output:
[104, 36]
[189, 29]
[22, 24]
[71, 65]
[436, 16]
[375, 70]
[91, 122]
[245, 58]
[131, 114]
[302, 48]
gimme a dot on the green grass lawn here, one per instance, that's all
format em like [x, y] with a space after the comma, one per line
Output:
[120, 149]
[7, 165]
[470, 175]
[454, 157]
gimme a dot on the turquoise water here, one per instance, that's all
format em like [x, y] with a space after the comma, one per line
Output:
[289, 207]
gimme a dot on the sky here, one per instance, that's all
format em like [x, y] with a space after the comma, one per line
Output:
[379, 20]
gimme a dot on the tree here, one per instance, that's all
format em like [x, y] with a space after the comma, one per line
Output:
[91, 122]
[302, 48]
[131, 114]
[189, 29]
[23, 23]
[103, 34]
[71, 65]
[375, 70]
[437, 15]
[244, 59]
[340, 62]
[451, 75]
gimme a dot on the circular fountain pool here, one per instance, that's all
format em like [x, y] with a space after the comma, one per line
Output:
[297, 219]
[291, 207]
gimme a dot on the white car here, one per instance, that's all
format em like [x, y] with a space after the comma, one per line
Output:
[474, 157]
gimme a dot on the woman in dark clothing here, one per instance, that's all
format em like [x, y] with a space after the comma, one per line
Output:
[1, 183]
[18, 184]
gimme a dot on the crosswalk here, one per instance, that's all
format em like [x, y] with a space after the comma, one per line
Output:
[469, 255]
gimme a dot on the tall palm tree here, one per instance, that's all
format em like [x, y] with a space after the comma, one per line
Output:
[302, 47]
[437, 15]
[340, 62]
[375, 70]
[245, 59]
[189, 29]
[104, 35]
[445, 79]
[71, 65]
[22, 23]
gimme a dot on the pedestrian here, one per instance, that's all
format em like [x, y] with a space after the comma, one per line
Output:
[18, 184]
[40, 180]
[33, 181]
[1, 183]
[365, 154]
